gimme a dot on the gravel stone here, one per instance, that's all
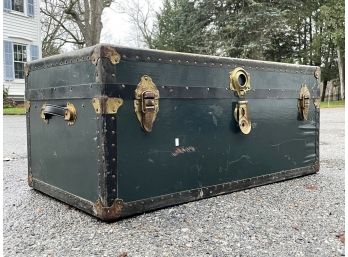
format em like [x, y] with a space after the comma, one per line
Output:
[299, 217]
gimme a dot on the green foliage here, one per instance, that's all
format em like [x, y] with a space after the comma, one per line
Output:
[14, 111]
[304, 32]
[182, 27]
[7, 102]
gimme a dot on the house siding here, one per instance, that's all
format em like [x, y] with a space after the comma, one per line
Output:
[20, 28]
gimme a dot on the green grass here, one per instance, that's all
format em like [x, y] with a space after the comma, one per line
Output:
[14, 110]
[332, 104]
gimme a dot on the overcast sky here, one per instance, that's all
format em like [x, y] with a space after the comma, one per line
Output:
[117, 27]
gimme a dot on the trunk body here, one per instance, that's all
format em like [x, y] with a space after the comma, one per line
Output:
[106, 164]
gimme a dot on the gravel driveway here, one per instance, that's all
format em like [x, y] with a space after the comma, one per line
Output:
[300, 217]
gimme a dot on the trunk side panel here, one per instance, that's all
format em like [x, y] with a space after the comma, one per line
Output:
[66, 156]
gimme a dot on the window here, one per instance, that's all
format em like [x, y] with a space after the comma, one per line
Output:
[18, 5]
[20, 57]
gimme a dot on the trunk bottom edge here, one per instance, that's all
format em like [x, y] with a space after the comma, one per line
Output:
[120, 209]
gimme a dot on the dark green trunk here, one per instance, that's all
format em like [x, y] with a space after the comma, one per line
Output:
[106, 164]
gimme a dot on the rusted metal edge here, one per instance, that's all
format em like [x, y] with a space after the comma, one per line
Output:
[30, 179]
[120, 209]
[105, 51]
[108, 213]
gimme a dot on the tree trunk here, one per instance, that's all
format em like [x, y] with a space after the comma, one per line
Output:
[324, 90]
[341, 71]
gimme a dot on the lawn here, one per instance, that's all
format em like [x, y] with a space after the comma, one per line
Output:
[14, 110]
[332, 104]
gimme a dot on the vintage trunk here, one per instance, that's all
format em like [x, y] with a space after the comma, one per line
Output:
[116, 131]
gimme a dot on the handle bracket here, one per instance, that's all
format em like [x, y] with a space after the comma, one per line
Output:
[68, 112]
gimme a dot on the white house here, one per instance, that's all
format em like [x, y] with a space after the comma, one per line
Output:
[22, 43]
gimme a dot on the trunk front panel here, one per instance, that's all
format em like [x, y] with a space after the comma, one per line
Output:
[211, 150]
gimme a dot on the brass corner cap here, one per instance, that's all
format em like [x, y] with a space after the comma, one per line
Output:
[30, 180]
[106, 105]
[316, 166]
[317, 73]
[105, 51]
[105, 213]
[26, 69]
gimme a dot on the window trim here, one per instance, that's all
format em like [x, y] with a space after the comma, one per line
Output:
[24, 8]
[14, 61]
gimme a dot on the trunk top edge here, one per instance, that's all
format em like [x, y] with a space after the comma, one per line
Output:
[151, 55]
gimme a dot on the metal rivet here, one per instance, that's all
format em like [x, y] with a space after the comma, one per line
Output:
[114, 190]
[113, 118]
[123, 86]
[113, 176]
[187, 88]
[113, 132]
[113, 145]
[208, 88]
[113, 159]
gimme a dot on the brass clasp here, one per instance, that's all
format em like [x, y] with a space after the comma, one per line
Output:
[241, 115]
[146, 103]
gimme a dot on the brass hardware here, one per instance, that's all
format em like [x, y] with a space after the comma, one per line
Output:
[317, 102]
[303, 102]
[106, 105]
[146, 103]
[70, 114]
[241, 115]
[240, 81]
[27, 106]
[42, 114]
[317, 73]
[106, 52]
[26, 69]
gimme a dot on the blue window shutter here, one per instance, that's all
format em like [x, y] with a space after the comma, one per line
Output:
[31, 8]
[7, 5]
[8, 61]
[34, 52]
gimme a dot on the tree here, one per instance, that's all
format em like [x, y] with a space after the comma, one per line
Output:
[75, 21]
[303, 32]
[183, 26]
[141, 15]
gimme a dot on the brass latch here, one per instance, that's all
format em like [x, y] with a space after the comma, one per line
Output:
[146, 103]
[303, 103]
[240, 81]
[241, 115]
